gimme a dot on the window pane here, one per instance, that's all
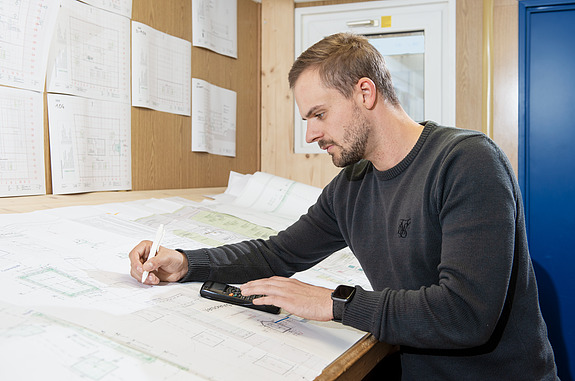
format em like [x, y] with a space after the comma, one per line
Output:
[404, 56]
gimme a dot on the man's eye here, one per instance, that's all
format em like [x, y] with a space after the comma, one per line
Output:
[320, 115]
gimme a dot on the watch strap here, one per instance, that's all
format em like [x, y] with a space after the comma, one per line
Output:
[338, 307]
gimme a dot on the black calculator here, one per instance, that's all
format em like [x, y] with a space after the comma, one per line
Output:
[225, 293]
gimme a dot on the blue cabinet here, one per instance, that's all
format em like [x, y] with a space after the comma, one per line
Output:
[547, 162]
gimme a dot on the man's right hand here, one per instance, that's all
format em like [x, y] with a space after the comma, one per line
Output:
[167, 266]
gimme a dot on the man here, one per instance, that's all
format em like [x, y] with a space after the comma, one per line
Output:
[433, 214]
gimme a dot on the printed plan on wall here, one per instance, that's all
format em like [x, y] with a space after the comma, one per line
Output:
[26, 28]
[25, 31]
[122, 7]
[89, 144]
[161, 70]
[215, 26]
[21, 142]
[213, 119]
[90, 53]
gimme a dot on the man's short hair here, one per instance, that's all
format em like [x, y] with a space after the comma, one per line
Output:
[342, 59]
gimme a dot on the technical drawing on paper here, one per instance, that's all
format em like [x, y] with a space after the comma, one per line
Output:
[214, 26]
[21, 143]
[213, 118]
[70, 351]
[26, 27]
[89, 144]
[161, 70]
[59, 282]
[90, 54]
[68, 291]
[121, 7]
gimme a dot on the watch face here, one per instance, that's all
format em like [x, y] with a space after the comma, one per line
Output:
[343, 292]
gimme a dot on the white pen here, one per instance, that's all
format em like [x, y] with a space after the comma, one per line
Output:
[154, 248]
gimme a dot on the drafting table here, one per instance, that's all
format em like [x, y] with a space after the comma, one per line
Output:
[353, 364]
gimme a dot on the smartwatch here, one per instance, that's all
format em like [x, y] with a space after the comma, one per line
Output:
[341, 296]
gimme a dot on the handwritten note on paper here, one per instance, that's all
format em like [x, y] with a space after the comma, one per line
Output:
[90, 54]
[21, 143]
[215, 25]
[161, 70]
[26, 28]
[89, 144]
[213, 119]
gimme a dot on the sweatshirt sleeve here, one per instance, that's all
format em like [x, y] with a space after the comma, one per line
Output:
[299, 247]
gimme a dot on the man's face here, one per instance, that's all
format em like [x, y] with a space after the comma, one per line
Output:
[335, 122]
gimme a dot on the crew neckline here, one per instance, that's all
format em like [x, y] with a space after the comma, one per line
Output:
[403, 164]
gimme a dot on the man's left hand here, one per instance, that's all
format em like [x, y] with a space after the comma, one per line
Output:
[301, 299]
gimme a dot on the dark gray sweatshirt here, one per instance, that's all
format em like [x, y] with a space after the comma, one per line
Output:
[437, 236]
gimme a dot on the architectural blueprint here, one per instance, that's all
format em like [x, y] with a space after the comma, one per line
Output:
[213, 118]
[21, 143]
[26, 28]
[161, 70]
[215, 25]
[90, 145]
[121, 7]
[70, 303]
[90, 53]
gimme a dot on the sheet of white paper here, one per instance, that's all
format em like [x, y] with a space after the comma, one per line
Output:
[161, 70]
[215, 25]
[236, 183]
[21, 142]
[26, 28]
[90, 53]
[213, 119]
[70, 352]
[341, 267]
[68, 292]
[121, 7]
[265, 199]
[284, 197]
[90, 144]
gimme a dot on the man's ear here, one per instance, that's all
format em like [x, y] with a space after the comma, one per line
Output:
[367, 92]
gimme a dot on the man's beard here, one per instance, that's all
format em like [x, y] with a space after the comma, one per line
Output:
[355, 138]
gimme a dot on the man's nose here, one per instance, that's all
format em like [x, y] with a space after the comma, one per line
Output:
[312, 132]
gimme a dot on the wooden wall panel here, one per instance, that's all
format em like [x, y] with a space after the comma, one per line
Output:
[161, 142]
[278, 157]
[468, 63]
[506, 78]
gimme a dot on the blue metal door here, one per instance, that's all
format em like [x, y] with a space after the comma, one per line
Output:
[547, 162]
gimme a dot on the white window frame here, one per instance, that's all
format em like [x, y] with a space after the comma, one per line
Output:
[435, 17]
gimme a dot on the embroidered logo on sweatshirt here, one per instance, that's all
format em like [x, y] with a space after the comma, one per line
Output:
[403, 226]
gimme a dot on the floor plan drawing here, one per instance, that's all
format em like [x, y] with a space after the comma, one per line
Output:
[73, 304]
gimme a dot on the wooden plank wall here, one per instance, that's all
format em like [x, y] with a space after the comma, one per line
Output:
[161, 142]
[317, 169]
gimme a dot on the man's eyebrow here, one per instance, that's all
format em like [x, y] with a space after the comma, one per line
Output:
[311, 111]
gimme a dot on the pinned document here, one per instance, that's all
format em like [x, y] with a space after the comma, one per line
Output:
[21, 143]
[26, 28]
[215, 26]
[90, 54]
[90, 144]
[161, 70]
[213, 119]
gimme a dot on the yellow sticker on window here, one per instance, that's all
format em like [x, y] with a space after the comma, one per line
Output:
[386, 21]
